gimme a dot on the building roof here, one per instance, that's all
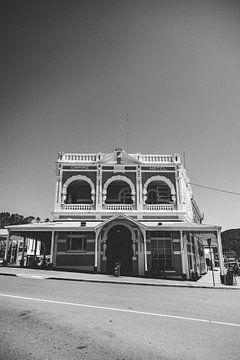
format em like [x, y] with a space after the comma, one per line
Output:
[178, 226]
[92, 225]
[49, 226]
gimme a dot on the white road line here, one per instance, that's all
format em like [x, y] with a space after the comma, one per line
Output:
[120, 310]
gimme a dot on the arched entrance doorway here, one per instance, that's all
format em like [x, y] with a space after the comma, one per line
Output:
[119, 249]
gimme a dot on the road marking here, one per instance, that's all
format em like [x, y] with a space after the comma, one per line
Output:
[120, 310]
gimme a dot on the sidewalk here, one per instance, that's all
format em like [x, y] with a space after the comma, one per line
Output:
[205, 281]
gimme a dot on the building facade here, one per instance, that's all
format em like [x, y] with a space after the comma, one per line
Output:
[132, 209]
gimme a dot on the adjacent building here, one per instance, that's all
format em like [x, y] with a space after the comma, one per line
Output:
[132, 209]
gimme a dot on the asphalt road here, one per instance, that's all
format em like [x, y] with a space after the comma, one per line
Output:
[62, 320]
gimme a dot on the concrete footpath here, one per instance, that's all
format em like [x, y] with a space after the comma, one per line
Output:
[206, 281]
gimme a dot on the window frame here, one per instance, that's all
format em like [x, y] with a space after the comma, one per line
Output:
[83, 239]
[165, 256]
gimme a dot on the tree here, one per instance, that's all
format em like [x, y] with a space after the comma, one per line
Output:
[14, 219]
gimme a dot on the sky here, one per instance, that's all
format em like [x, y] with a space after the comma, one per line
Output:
[73, 71]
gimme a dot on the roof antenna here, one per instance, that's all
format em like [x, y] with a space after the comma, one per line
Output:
[127, 134]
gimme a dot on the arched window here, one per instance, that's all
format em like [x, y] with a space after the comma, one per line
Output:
[78, 192]
[158, 192]
[118, 192]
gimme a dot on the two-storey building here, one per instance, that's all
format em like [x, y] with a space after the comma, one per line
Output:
[137, 210]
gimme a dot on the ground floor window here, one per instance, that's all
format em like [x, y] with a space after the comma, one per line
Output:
[161, 250]
[76, 243]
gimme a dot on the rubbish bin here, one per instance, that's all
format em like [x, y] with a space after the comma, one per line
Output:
[230, 278]
[223, 279]
[116, 271]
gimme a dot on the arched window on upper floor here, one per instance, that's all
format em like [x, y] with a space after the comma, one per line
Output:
[118, 192]
[79, 192]
[158, 192]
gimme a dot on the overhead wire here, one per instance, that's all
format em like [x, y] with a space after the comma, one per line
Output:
[215, 189]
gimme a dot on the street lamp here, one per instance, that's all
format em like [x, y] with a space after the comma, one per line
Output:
[209, 245]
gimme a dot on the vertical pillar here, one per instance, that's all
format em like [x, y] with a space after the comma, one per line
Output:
[180, 191]
[17, 250]
[5, 263]
[11, 252]
[145, 252]
[35, 247]
[23, 251]
[182, 256]
[97, 188]
[54, 260]
[58, 188]
[140, 190]
[220, 253]
[52, 247]
[96, 251]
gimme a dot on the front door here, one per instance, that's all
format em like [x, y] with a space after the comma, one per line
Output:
[119, 249]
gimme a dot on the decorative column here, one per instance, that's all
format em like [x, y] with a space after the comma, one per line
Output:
[97, 188]
[180, 190]
[173, 196]
[140, 194]
[58, 187]
[144, 195]
[93, 197]
[104, 196]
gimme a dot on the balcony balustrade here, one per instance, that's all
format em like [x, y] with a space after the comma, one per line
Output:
[156, 159]
[78, 158]
[92, 158]
[78, 207]
[118, 207]
[159, 207]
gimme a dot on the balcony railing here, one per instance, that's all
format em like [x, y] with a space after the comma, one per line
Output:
[79, 207]
[159, 207]
[157, 158]
[118, 207]
[91, 158]
[79, 158]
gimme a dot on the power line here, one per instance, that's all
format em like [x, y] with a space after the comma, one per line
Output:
[215, 189]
